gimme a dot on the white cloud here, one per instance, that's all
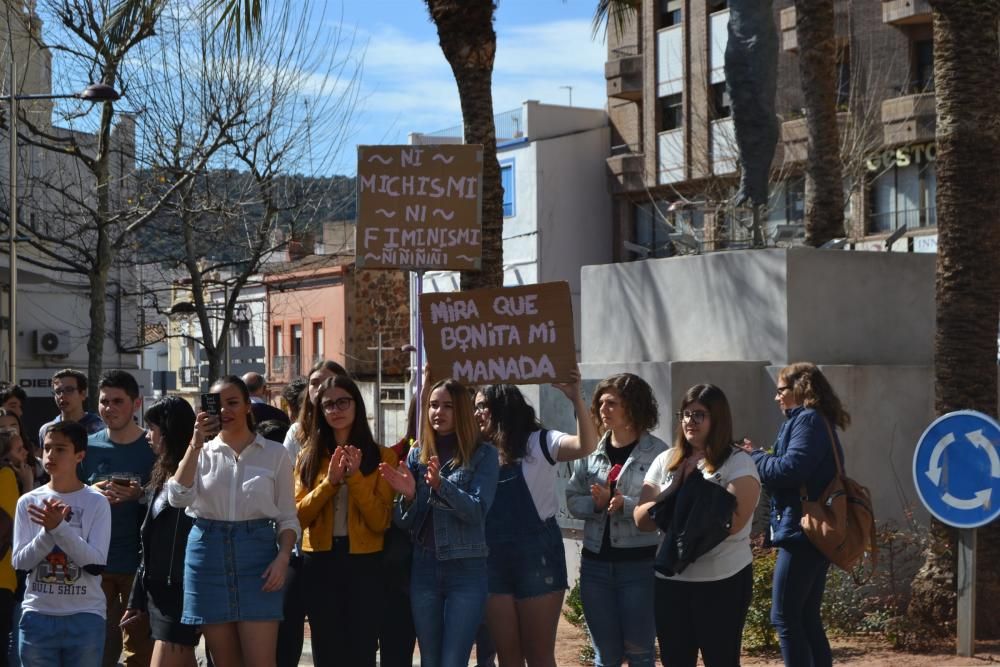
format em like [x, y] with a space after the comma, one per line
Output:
[408, 84]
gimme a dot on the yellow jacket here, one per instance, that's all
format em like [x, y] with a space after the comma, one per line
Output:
[8, 503]
[369, 508]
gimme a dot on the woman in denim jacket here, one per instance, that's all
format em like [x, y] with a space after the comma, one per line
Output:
[803, 456]
[447, 485]
[616, 568]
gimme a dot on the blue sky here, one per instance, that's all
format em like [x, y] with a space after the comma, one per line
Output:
[407, 85]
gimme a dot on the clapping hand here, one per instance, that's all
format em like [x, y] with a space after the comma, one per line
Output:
[433, 475]
[338, 465]
[49, 514]
[400, 479]
[352, 459]
[601, 495]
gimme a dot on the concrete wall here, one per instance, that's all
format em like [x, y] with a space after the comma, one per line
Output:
[735, 319]
[778, 304]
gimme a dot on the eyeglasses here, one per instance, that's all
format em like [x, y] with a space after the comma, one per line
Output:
[339, 405]
[482, 407]
[698, 416]
[782, 390]
[63, 390]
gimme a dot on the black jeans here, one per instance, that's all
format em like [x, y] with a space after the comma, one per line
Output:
[344, 603]
[706, 615]
[397, 637]
[291, 631]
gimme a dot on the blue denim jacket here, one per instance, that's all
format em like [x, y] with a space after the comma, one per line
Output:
[802, 456]
[594, 469]
[459, 505]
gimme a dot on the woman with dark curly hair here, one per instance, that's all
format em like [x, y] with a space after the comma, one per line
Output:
[616, 568]
[158, 587]
[527, 560]
[803, 457]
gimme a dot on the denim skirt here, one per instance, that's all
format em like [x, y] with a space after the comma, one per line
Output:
[222, 572]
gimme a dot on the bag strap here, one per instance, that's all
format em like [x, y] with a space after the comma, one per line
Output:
[543, 444]
[803, 494]
[833, 444]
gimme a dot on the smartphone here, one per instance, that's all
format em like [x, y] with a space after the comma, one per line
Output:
[211, 403]
[120, 481]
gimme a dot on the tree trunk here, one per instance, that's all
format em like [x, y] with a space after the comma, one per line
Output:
[967, 84]
[465, 30]
[815, 33]
[98, 280]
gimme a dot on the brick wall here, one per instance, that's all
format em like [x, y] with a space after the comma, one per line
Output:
[377, 300]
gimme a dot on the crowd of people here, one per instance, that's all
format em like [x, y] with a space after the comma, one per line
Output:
[128, 543]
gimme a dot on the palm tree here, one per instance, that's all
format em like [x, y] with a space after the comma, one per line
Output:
[469, 43]
[967, 85]
[815, 34]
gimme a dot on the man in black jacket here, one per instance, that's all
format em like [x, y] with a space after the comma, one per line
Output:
[262, 410]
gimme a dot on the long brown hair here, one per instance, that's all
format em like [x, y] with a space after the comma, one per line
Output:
[718, 445]
[321, 440]
[465, 424]
[811, 388]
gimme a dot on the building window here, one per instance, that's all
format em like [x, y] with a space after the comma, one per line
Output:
[671, 112]
[296, 351]
[903, 196]
[843, 80]
[670, 13]
[720, 101]
[319, 349]
[652, 229]
[507, 182]
[717, 5]
[277, 337]
[923, 66]
[795, 200]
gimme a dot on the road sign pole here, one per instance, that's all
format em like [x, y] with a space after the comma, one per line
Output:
[966, 592]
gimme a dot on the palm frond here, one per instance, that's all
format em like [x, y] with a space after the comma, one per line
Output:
[616, 14]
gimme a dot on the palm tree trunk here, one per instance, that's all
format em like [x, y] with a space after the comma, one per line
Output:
[815, 33]
[465, 31]
[967, 83]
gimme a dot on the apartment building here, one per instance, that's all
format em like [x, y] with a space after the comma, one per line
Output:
[672, 164]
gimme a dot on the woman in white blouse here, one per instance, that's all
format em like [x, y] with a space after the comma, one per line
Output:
[238, 487]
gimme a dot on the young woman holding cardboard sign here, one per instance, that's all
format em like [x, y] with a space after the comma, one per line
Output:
[446, 485]
[527, 562]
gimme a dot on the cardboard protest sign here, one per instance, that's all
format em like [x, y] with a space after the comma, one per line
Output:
[516, 335]
[420, 207]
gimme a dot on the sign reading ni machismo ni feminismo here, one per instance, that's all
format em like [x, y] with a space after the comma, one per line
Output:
[419, 207]
[518, 335]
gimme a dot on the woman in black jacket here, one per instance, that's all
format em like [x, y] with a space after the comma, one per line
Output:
[158, 589]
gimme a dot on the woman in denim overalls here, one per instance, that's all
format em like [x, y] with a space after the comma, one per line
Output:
[527, 563]
[446, 486]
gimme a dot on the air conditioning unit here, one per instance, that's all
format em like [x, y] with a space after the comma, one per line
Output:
[49, 342]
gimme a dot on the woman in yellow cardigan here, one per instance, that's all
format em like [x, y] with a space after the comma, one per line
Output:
[344, 507]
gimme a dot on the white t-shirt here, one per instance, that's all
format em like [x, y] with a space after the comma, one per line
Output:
[733, 553]
[293, 442]
[57, 584]
[540, 475]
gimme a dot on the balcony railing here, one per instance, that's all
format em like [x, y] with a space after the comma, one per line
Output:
[906, 12]
[189, 376]
[284, 368]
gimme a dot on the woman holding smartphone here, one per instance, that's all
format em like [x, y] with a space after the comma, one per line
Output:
[344, 507]
[239, 489]
[158, 587]
[446, 486]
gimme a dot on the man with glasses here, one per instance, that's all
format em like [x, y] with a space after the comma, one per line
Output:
[69, 388]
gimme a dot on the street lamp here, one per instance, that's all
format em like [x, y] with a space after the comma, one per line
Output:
[95, 92]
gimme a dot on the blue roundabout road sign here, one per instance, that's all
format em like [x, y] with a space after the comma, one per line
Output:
[956, 469]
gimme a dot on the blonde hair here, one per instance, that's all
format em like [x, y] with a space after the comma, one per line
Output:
[465, 424]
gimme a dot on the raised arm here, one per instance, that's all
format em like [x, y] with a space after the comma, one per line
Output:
[584, 443]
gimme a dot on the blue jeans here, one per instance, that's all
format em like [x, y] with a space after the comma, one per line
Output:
[76, 640]
[618, 606]
[448, 599]
[799, 580]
